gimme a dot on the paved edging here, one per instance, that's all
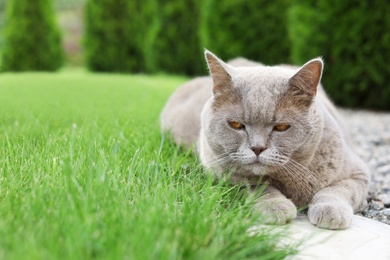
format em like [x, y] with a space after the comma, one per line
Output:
[364, 239]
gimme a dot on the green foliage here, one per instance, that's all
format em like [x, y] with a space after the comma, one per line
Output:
[2, 11]
[112, 35]
[175, 45]
[254, 29]
[354, 38]
[32, 39]
[304, 25]
[82, 177]
[64, 4]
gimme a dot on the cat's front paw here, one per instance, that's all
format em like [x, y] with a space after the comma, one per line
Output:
[331, 215]
[277, 211]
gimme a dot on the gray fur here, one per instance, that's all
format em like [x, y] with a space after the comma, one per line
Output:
[311, 163]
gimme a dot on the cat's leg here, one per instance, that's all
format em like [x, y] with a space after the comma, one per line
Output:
[333, 207]
[274, 207]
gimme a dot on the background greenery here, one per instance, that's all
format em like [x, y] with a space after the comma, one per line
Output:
[83, 176]
[253, 29]
[153, 36]
[173, 44]
[112, 36]
[32, 37]
[354, 39]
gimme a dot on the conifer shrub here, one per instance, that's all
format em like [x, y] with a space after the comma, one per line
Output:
[353, 37]
[113, 33]
[173, 43]
[253, 29]
[32, 40]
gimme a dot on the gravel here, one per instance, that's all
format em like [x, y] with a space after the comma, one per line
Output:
[370, 132]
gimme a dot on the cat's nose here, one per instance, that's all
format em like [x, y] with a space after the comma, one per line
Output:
[258, 149]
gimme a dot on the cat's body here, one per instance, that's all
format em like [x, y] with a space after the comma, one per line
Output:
[273, 125]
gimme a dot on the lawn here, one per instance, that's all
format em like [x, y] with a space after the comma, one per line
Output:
[82, 176]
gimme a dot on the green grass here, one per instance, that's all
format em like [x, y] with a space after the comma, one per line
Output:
[82, 177]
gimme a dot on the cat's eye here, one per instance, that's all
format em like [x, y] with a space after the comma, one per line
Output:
[236, 125]
[281, 127]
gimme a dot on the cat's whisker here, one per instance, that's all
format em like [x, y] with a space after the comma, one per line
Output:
[222, 159]
[298, 179]
[306, 178]
[318, 182]
[295, 177]
[275, 159]
[294, 174]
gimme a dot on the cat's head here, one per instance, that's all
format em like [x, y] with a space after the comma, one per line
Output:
[259, 118]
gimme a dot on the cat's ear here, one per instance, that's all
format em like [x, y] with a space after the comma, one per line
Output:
[220, 73]
[304, 83]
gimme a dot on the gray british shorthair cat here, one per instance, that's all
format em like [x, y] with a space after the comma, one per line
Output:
[273, 125]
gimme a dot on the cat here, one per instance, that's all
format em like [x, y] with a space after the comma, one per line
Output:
[272, 125]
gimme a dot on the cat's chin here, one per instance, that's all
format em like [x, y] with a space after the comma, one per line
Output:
[256, 168]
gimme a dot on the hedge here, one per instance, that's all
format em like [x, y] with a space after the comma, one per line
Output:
[170, 36]
[113, 31]
[32, 41]
[354, 39]
[253, 29]
[173, 44]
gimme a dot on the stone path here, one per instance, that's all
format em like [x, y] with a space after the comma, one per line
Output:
[370, 132]
[364, 239]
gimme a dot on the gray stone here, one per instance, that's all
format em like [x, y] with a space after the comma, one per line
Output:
[385, 198]
[376, 205]
[386, 212]
[370, 133]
